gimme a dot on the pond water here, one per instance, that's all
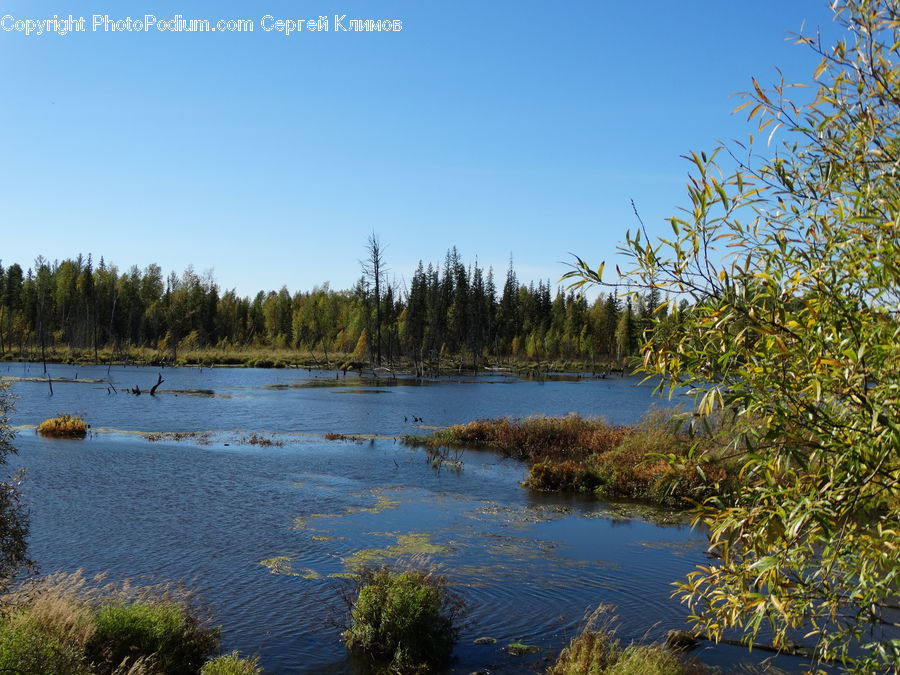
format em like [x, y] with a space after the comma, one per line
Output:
[267, 532]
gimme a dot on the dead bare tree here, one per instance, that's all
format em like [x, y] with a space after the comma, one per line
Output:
[159, 381]
[374, 269]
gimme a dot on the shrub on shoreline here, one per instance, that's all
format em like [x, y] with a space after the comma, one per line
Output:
[63, 426]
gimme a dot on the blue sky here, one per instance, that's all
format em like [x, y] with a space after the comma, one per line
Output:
[502, 128]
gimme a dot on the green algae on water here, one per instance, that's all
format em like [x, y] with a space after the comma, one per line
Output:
[383, 503]
[299, 522]
[283, 564]
[414, 543]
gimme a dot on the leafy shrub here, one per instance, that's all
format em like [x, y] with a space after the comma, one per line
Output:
[232, 664]
[403, 619]
[63, 426]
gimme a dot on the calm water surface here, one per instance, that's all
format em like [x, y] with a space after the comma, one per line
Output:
[210, 511]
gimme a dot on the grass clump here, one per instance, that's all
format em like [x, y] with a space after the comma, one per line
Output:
[596, 651]
[63, 426]
[403, 620]
[232, 664]
[160, 629]
[521, 649]
[64, 625]
[660, 463]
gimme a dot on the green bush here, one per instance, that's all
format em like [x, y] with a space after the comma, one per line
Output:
[232, 664]
[66, 625]
[176, 640]
[403, 620]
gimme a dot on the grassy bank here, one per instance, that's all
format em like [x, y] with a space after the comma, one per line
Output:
[652, 461]
[65, 625]
[275, 357]
[250, 357]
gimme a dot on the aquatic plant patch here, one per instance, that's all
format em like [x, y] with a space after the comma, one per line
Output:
[63, 426]
[403, 620]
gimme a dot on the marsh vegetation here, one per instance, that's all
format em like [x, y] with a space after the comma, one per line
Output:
[65, 624]
[403, 618]
[587, 455]
[63, 426]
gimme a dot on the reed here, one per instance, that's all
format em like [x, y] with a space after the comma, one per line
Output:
[597, 651]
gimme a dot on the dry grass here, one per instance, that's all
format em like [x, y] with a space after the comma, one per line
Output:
[596, 651]
[533, 439]
[200, 437]
[63, 426]
[64, 624]
[330, 436]
[652, 461]
[260, 440]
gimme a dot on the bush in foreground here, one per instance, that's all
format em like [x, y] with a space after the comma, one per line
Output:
[64, 426]
[403, 620]
[164, 631]
[62, 625]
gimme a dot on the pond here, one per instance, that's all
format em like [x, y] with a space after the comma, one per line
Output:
[264, 517]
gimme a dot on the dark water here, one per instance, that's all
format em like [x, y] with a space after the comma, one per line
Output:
[209, 511]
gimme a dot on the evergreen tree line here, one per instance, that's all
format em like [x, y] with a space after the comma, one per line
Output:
[448, 311]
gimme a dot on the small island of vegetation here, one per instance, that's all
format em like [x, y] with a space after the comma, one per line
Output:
[575, 454]
[63, 426]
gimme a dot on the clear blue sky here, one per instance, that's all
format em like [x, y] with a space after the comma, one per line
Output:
[504, 128]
